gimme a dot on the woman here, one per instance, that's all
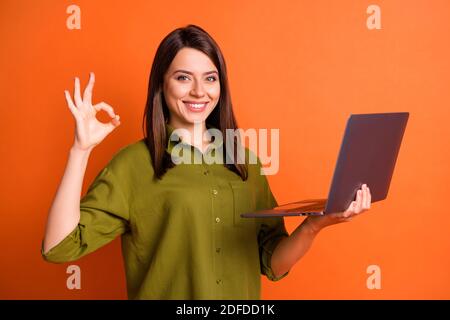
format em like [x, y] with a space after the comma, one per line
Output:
[180, 225]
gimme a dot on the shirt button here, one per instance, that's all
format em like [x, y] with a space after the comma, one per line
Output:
[217, 219]
[217, 250]
[205, 172]
[218, 281]
[215, 191]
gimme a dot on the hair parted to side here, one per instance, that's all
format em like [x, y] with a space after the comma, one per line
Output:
[156, 112]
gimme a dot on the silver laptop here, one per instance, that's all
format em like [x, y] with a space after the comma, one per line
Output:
[368, 154]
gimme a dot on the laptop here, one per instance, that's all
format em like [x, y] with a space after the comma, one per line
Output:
[367, 155]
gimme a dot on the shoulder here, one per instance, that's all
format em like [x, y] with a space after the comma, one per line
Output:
[253, 164]
[252, 159]
[131, 157]
[132, 150]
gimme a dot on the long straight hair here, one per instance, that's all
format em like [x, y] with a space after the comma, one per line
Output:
[157, 113]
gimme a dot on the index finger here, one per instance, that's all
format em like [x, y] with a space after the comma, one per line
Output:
[87, 95]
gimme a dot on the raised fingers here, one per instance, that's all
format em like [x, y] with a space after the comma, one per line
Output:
[364, 197]
[358, 201]
[77, 95]
[87, 95]
[70, 103]
[368, 199]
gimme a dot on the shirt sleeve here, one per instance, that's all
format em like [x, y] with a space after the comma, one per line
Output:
[272, 231]
[104, 214]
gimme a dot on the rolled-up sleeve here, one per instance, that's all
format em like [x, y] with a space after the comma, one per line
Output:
[272, 230]
[104, 214]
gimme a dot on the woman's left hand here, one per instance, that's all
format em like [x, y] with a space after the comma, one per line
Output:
[361, 204]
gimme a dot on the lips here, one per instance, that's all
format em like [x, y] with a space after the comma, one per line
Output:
[196, 106]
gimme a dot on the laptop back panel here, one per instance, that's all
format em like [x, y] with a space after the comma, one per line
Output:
[370, 140]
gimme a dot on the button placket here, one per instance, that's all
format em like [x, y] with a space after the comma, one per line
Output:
[217, 205]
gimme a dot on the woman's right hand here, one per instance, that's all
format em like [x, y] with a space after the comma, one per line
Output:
[89, 131]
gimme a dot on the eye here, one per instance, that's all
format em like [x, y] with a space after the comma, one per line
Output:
[213, 78]
[178, 78]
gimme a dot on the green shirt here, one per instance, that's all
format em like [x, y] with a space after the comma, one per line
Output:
[182, 237]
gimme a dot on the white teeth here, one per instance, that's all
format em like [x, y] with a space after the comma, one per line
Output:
[196, 106]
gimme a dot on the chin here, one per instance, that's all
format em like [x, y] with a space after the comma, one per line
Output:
[193, 120]
[200, 117]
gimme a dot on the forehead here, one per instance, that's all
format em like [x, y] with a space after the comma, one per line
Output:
[192, 60]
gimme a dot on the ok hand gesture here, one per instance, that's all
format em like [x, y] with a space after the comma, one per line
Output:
[89, 131]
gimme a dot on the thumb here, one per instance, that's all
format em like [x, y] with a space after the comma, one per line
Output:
[350, 209]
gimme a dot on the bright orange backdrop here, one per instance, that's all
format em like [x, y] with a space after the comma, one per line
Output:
[300, 66]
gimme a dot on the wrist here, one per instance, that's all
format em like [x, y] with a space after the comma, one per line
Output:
[312, 226]
[79, 151]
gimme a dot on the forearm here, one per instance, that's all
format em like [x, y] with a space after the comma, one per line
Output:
[291, 249]
[64, 213]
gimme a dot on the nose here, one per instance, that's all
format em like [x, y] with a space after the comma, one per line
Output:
[197, 89]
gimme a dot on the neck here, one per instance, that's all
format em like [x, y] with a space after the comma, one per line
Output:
[196, 134]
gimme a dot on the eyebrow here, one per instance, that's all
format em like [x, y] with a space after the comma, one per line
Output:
[188, 72]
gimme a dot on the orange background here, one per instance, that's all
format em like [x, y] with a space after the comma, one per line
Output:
[300, 66]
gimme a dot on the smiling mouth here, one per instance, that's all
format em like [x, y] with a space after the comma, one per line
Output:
[196, 106]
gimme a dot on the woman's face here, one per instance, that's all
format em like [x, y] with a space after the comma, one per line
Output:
[191, 87]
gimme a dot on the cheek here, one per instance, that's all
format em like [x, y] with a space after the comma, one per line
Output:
[177, 91]
[214, 91]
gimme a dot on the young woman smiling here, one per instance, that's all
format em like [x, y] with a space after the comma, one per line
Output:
[180, 225]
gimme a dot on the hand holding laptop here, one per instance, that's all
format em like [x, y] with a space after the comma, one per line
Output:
[360, 205]
[368, 155]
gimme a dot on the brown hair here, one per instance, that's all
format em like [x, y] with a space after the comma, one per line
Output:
[157, 113]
